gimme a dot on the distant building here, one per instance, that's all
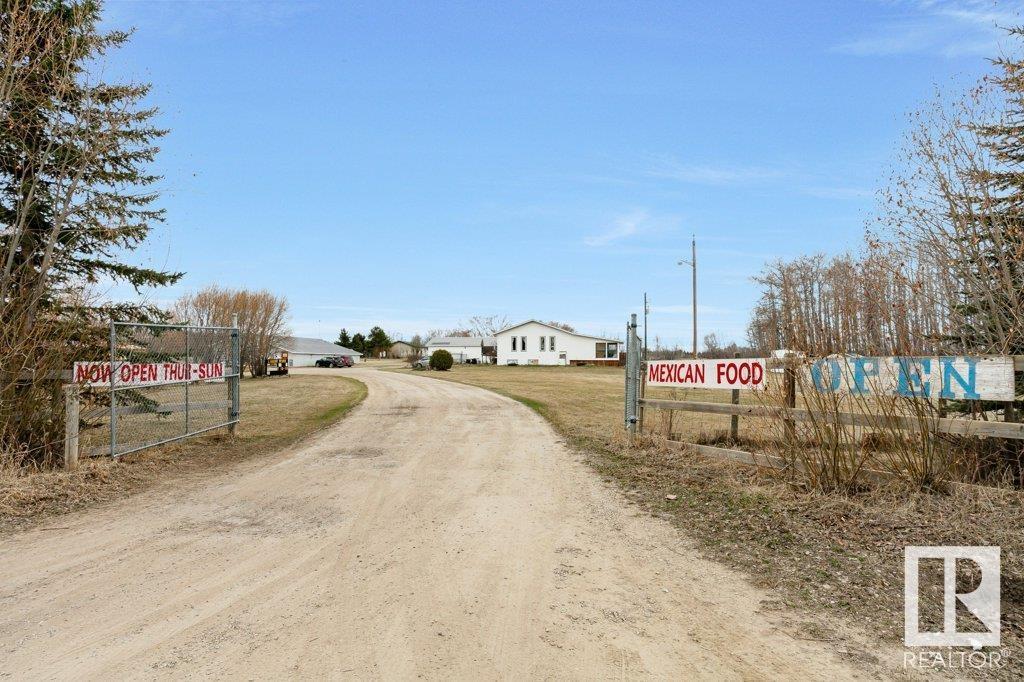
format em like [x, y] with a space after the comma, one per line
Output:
[538, 343]
[463, 348]
[403, 349]
[304, 352]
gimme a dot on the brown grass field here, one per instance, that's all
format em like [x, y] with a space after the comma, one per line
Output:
[839, 554]
[276, 412]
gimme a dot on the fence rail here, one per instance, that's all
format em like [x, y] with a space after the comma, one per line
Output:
[963, 427]
[789, 414]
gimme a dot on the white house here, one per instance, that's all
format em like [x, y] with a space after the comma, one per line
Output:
[304, 352]
[538, 343]
[462, 348]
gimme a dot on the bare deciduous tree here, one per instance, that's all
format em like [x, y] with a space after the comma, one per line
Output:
[262, 319]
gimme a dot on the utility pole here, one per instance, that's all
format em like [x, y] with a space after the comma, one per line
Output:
[647, 309]
[693, 264]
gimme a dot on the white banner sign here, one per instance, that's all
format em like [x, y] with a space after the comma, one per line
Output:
[146, 373]
[739, 373]
[948, 377]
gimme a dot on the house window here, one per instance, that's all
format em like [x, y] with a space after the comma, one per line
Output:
[606, 351]
[522, 343]
[542, 344]
[551, 344]
[515, 341]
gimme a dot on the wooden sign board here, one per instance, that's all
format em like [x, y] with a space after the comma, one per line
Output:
[949, 377]
[739, 373]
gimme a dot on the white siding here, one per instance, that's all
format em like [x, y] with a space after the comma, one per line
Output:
[574, 346]
[460, 353]
[303, 359]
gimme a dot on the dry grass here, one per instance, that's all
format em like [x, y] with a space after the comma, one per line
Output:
[830, 553]
[276, 412]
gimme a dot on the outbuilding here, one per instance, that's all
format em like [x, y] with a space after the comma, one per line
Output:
[304, 352]
[403, 349]
[463, 348]
[539, 343]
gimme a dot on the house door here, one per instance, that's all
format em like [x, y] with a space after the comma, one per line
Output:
[561, 358]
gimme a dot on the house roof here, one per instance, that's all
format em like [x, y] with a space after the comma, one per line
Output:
[460, 341]
[304, 345]
[557, 329]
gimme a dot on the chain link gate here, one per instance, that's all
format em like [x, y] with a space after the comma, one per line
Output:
[634, 375]
[169, 382]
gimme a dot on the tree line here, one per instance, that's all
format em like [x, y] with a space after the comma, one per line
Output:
[372, 344]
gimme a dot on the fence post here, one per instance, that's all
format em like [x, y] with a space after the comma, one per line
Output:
[790, 390]
[236, 368]
[631, 376]
[734, 422]
[188, 363]
[113, 391]
[72, 407]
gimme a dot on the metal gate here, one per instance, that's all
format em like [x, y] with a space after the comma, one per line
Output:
[168, 382]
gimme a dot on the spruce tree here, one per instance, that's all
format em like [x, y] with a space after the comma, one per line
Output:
[76, 197]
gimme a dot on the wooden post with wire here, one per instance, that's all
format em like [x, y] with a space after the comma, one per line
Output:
[734, 422]
[790, 391]
[72, 413]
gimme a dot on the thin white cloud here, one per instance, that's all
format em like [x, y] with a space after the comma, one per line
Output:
[629, 225]
[824, 192]
[700, 174]
[622, 227]
[948, 27]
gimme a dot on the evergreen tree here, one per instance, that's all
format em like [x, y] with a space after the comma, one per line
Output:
[377, 341]
[999, 238]
[995, 302]
[344, 339]
[358, 343]
[75, 197]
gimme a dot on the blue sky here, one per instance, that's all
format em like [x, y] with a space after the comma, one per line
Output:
[413, 164]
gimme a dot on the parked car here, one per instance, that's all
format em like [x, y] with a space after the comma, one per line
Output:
[335, 361]
[422, 363]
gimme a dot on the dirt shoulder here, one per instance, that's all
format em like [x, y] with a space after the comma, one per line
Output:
[828, 554]
[277, 412]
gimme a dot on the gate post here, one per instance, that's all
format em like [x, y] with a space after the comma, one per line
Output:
[188, 363]
[236, 369]
[631, 376]
[113, 392]
[72, 407]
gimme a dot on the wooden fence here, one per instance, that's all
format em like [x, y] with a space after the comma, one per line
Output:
[789, 414]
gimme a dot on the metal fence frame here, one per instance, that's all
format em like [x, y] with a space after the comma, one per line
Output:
[232, 378]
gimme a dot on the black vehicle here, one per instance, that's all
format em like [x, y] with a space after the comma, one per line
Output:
[334, 361]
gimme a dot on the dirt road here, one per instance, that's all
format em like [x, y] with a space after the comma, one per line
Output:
[439, 531]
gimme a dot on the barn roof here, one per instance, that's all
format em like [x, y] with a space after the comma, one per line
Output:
[302, 344]
[462, 341]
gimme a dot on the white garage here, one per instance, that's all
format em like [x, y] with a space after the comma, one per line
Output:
[462, 348]
[304, 352]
